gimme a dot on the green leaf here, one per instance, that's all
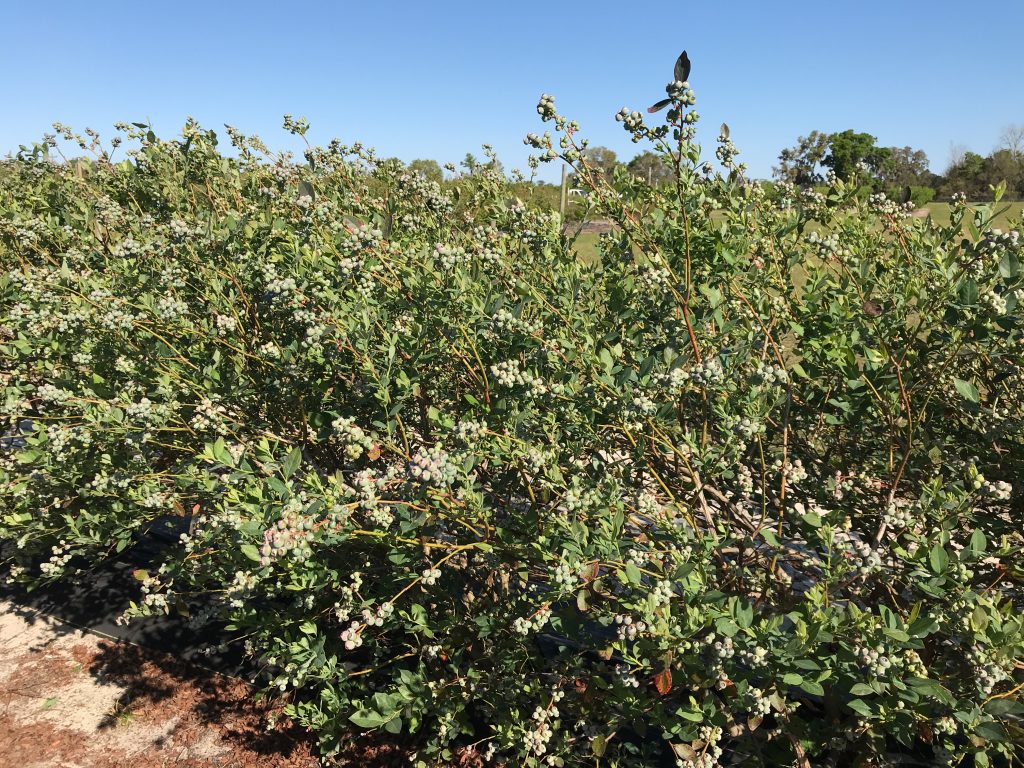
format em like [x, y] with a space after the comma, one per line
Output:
[938, 559]
[977, 543]
[813, 519]
[693, 715]
[291, 462]
[860, 707]
[633, 575]
[726, 626]
[250, 551]
[922, 627]
[581, 601]
[928, 687]
[1009, 265]
[813, 688]
[991, 732]
[808, 664]
[969, 292]
[220, 452]
[967, 390]
[744, 614]
[979, 619]
[1002, 707]
[368, 718]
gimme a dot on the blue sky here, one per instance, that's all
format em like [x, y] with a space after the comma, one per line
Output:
[437, 79]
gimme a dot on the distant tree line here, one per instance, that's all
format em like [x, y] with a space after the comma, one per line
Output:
[810, 161]
[892, 169]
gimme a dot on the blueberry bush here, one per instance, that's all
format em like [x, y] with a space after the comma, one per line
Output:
[747, 490]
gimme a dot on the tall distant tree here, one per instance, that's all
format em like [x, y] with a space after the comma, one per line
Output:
[428, 168]
[956, 154]
[1012, 140]
[603, 158]
[903, 166]
[470, 163]
[966, 175]
[847, 149]
[975, 175]
[1005, 165]
[650, 167]
[799, 164]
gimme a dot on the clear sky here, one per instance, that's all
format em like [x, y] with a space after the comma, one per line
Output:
[437, 79]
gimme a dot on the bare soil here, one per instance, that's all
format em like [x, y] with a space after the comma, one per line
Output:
[73, 699]
[595, 226]
[69, 699]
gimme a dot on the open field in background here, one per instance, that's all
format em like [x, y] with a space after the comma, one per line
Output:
[586, 243]
[586, 246]
[1005, 213]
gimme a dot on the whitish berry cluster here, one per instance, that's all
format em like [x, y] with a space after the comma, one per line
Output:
[726, 151]
[535, 740]
[546, 106]
[1000, 490]
[873, 660]
[628, 628]
[898, 516]
[631, 119]
[708, 738]
[432, 466]
[352, 437]
[680, 92]
[526, 625]
[510, 374]
[288, 537]
[988, 672]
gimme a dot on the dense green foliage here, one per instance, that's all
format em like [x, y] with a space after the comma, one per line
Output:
[974, 175]
[747, 490]
[850, 155]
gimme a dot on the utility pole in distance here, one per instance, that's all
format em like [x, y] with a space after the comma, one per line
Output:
[563, 197]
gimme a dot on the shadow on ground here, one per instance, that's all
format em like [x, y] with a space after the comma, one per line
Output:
[95, 599]
[162, 686]
[179, 698]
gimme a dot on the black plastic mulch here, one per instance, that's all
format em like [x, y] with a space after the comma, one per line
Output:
[94, 599]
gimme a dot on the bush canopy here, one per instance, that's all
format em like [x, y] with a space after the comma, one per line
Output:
[746, 490]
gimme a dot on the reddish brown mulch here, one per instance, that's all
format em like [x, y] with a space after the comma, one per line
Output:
[69, 699]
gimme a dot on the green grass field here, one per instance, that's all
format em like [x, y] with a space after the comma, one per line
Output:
[1005, 213]
[586, 244]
